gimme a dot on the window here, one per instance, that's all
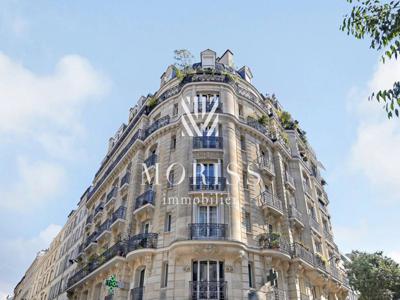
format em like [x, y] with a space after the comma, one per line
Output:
[242, 143]
[175, 110]
[145, 227]
[251, 277]
[171, 178]
[318, 246]
[245, 182]
[168, 222]
[240, 110]
[164, 275]
[173, 142]
[247, 221]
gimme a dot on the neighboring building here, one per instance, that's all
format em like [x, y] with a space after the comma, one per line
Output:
[47, 277]
[237, 211]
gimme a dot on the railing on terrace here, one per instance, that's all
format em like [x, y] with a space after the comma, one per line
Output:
[207, 231]
[120, 213]
[299, 251]
[266, 198]
[142, 240]
[125, 179]
[209, 142]
[104, 227]
[208, 183]
[208, 290]
[151, 160]
[156, 125]
[137, 293]
[112, 194]
[147, 197]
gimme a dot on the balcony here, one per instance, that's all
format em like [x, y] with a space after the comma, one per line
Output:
[208, 290]
[140, 242]
[258, 126]
[300, 252]
[207, 142]
[271, 203]
[164, 121]
[118, 249]
[98, 211]
[91, 241]
[89, 221]
[125, 182]
[266, 165]
[328, 235]
[111, 196]
[118, 217]
[151, 160]
[314, 224]
[104, 230]
[137, 293]
[277, 294]
[274, 241]
[207, 183]
[296, 217]
[208, 106]
[289, 181]
[320, 263]
[207, 231]
[307, 189]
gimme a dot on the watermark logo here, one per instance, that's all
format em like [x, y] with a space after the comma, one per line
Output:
[200, 109]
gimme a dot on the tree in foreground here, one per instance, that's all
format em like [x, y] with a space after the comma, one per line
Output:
[374, 276]
[379, 21]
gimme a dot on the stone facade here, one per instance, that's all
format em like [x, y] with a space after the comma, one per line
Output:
[236, 212]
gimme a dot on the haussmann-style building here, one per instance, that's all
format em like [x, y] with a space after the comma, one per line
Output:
[210, 191]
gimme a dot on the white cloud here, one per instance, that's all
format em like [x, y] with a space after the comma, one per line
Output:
[31, 101]
[21, 258]
[37, 183]
[375, 150]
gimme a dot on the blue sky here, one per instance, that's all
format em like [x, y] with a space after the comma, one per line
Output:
[70, 71]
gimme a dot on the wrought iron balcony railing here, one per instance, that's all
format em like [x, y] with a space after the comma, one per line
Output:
[277, 294]
[208, 106]
[142, 240]
[99, 208]
[289, 179]
[294, 213]
[118, 249]
[125, 179]
[151, 160]
[147, 197]
[137, 293]
[91, 238]
[299, 251]
[265, 163]
[207, 142]
[274, 241]
[207, 231]
[89, 220]
[258, 126]
[120, 213]
[112, 194]
[207, 183]
[319, 263]
[314, 223]
[208, 290]
[268, 199]
[156, 125]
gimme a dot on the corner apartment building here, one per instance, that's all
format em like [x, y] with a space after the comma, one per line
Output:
[210, 191]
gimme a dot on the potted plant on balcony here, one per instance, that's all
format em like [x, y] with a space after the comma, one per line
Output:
[152, 102]
[275, 240]
[263, 240]
[263, 120]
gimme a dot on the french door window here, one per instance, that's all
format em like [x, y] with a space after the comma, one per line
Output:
[208, 280]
